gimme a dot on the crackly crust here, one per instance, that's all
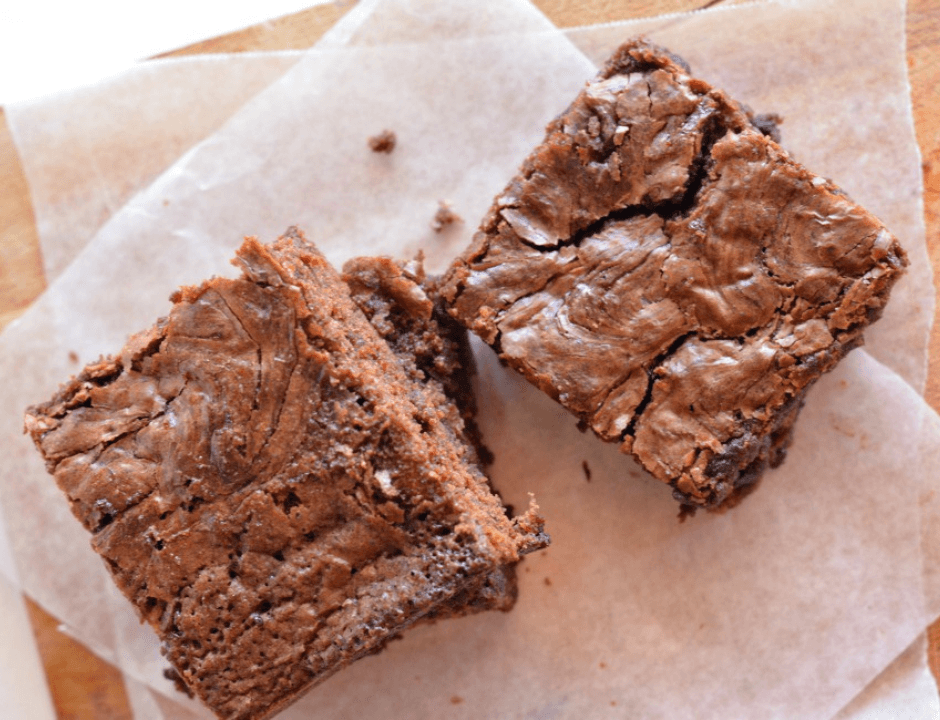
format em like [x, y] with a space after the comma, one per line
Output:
[671, 276]
[272, 488]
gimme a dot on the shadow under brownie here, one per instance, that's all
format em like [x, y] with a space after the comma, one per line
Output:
[273, 489]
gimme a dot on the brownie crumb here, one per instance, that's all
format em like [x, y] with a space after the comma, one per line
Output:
[384, 142]
[444, 216]
[587, 470]
[73, 356]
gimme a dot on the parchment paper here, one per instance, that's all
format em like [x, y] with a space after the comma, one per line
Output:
[906, 689]
[122, 133]
[731, 579]
[24, 694]
[87, 151]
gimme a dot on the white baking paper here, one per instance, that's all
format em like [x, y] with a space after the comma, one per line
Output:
[887, 584]
[24, 694]
[87, 151]
[905, 689]
[125, 131]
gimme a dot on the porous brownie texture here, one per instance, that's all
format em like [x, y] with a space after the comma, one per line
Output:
[274, 489]
[401, 302]
[670, 275]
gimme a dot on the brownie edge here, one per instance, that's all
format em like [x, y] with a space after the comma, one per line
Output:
[665, 271]
[272, 489]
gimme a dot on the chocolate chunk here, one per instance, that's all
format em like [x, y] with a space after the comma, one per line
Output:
[672, 277]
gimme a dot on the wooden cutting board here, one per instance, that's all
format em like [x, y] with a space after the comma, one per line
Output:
[85, 688]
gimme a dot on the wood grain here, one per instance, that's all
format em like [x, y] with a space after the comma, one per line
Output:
[84, 687]
[923, 62]
[291, 32]
[21, 270]
[572, 13]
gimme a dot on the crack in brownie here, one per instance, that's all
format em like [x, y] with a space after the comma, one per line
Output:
[277, 489]
[672, 277]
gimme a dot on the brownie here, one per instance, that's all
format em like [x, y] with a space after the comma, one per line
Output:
[444, 217]
[404, 305]
[663, 269]
[273, 487]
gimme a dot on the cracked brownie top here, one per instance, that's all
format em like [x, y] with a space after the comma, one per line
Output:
[276, 491]
[670, 275]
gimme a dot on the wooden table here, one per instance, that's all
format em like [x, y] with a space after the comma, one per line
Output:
[85, 688]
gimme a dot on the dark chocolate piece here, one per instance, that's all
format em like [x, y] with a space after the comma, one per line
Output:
[272, 487]
[671, 276]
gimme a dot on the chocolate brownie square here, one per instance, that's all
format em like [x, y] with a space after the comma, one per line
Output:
[671, 276]
[272, 487]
